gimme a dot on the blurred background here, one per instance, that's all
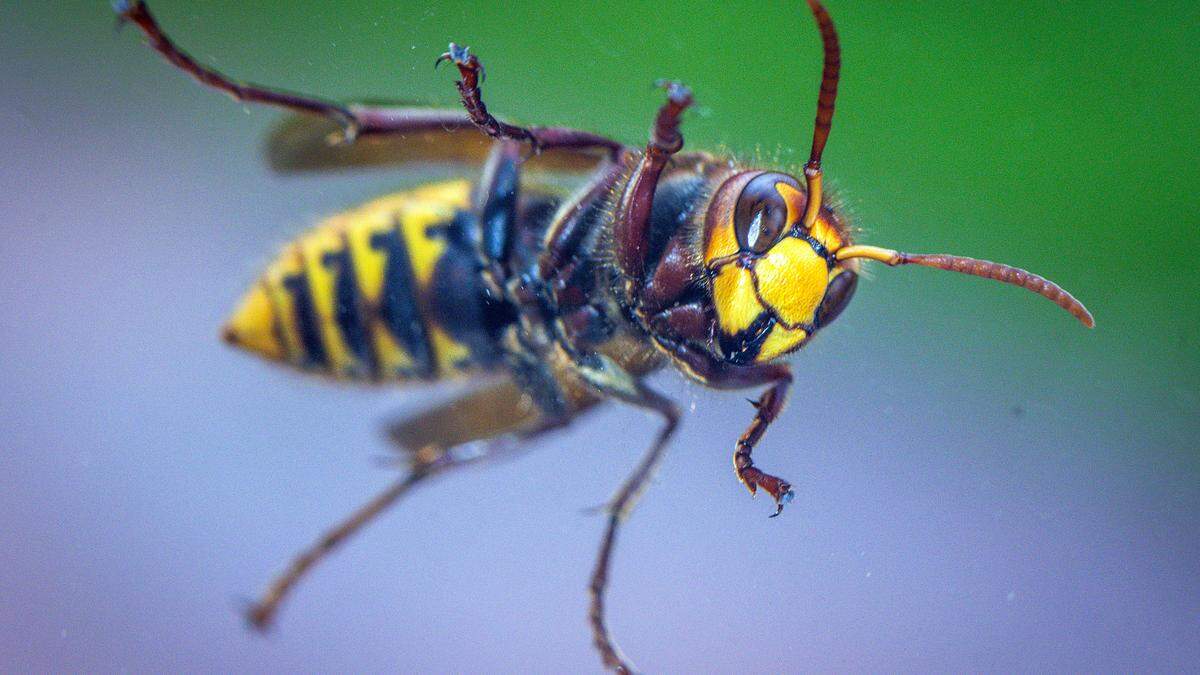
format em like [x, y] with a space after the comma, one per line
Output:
[982, 484]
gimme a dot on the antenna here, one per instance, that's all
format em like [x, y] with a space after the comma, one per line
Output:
[825, 100]
[979, 268]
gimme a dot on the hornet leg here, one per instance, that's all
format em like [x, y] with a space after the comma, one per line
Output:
[631, 222]
[496, 212]
[354, 119]
[611, 380]
[540, 138]
[481, 425]
[618, 510]
[767, 409]
[525, 341]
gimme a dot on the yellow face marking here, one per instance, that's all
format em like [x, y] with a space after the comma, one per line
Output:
[788, 280]
[795, 200]
[252, 325]
[792, 280]
[722, 241]
[733, 293]
[822, 230]
[781, 341]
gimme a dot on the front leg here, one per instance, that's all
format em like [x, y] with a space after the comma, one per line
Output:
[631, 222]
[720, 375]
[768, 408]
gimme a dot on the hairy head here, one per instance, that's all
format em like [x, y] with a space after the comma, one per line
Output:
[774, 280]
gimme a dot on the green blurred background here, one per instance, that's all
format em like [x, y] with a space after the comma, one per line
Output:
[984, 483]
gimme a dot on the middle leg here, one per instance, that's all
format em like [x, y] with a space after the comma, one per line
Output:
[618, 510]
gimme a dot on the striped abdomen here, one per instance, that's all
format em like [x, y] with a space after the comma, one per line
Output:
[389, 290]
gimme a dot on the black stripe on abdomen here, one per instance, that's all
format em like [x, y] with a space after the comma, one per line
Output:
[298, 287]
[348, 310]
[398, 301]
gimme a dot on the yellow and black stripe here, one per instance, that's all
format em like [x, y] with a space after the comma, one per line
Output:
[358, 297]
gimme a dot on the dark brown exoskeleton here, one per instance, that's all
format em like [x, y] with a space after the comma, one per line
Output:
[659, 257]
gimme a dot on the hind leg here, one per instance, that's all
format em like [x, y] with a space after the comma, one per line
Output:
[484, 424]
[365, 119]
[610, 379]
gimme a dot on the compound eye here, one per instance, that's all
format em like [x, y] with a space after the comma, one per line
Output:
[761, 214]
[837, 296]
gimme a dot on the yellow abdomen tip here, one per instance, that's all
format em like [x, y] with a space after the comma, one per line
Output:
[252, 326]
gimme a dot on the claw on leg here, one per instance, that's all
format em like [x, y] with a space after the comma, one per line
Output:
[124, 8]
[471, 72]
[766, 409]
[666, 137]
[677, 92]
[779, 489]
[467, 63]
